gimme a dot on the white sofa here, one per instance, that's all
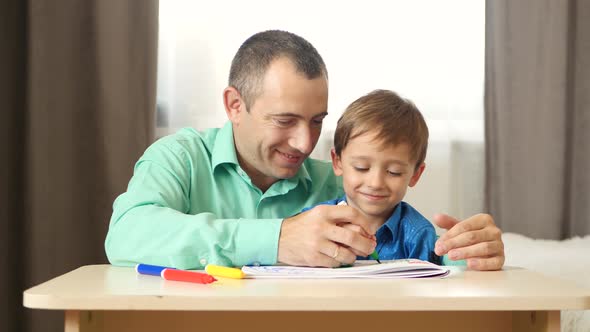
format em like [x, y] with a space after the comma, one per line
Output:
[567, 259]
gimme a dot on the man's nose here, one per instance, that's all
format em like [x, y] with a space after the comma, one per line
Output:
[303, 139]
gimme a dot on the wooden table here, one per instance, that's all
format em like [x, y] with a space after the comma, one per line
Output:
[108, 298]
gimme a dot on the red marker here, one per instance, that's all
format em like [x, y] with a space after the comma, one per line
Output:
[188, 276]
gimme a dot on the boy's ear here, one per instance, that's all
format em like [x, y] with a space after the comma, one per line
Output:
[417, 174]
[234, 104]
[336, 162]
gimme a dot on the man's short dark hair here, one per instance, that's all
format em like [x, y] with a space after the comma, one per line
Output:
[256, 54]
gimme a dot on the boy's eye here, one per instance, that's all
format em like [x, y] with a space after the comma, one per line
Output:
[360, 169]
[394, 173]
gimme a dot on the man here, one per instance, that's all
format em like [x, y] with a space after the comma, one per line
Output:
[231, 195]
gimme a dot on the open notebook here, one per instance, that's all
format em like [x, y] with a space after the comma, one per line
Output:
[388, 269]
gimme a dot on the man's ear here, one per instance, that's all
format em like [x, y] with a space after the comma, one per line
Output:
[336, 162]
[417, 173]
[234, 104]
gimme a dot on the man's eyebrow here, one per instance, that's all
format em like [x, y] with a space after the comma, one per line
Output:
[295, 115]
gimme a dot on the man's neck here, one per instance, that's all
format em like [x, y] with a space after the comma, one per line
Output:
[258, 179]
[264, 184]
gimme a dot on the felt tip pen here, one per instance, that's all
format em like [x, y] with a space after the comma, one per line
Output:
[152, 270]
[188, 276]
[375, 256]
[223, 271]
[168, 273]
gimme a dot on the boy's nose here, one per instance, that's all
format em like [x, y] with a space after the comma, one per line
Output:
[375, 179]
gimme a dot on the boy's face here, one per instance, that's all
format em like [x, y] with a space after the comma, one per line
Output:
[375, 175]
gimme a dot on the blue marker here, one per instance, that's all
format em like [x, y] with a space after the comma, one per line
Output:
[152, 270]
[170, 273]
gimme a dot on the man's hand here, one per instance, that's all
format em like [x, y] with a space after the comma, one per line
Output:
[317, 237]
[476, 239]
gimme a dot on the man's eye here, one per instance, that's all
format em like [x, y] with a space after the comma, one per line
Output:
[318, 121]
[283, 123]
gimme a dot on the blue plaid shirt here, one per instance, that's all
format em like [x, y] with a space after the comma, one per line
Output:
[406, 234]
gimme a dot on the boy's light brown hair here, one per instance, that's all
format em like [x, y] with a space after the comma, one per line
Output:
[394, 119]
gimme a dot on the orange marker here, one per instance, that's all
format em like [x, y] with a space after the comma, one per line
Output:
[188, 276]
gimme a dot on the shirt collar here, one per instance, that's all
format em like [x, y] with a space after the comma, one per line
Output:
[224, 152]
[393, 222]
[303, 176]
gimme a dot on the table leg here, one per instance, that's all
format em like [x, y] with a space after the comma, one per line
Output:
[72, 321]
[536, 321]
[84, 321]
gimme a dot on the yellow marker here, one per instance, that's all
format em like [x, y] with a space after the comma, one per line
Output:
[222, 271]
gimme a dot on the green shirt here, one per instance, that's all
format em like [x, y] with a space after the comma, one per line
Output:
[189, 203]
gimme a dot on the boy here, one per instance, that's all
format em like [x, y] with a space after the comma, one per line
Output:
[379, 150]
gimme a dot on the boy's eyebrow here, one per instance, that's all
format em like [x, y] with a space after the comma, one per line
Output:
[393, 161]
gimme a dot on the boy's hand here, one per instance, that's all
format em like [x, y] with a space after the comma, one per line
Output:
[317, 238]
[476, 239]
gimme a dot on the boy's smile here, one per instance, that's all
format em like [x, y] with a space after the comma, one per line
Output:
[375, 175]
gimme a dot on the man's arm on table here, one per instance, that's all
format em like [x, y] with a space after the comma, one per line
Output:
[150, 223]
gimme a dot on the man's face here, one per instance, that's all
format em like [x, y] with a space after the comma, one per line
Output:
[282, 126]
[375, 177]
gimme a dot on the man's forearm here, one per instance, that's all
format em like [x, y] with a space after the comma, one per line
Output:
[158, 235]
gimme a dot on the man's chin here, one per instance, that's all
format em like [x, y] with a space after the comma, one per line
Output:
[286, 173]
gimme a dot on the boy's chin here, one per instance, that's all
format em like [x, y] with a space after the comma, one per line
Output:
[377, 219]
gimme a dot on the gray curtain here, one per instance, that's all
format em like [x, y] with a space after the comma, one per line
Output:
[78, 92]
[537, 115]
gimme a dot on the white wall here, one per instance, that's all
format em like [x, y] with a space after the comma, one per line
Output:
[429, 51]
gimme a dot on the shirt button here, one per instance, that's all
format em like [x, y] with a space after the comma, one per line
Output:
[203, 261]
